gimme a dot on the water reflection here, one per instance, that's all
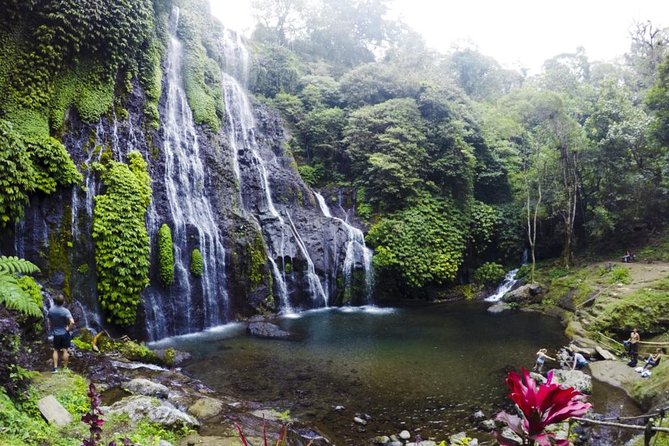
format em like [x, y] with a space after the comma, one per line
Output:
[429, 366]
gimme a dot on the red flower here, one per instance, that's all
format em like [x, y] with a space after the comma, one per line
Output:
[541, 405]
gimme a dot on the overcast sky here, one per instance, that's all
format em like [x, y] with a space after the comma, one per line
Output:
[518, 33]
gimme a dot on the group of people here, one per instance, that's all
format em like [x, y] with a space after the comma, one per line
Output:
[628, 257]
[578, 361]
[632, 345]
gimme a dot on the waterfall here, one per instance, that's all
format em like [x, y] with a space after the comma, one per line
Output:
[191, 216]
[356, 251]
[313, 280]
[507, 284]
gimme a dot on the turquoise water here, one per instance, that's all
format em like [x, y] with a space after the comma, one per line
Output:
[426, 367]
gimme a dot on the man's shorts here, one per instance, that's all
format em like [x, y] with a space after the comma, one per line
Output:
[61, 342]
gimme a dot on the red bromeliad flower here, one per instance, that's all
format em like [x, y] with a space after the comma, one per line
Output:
[541, 405]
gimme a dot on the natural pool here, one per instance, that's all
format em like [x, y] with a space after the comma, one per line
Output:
[423, 367]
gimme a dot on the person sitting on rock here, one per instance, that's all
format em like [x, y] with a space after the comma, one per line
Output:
[541, 358]
[653, 359]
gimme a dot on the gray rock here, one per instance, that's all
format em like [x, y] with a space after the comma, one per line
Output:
[530, 293]
[360, 421]
[573, 378]
[267, 330]
[605, 354]
[478, 415]
[404, 435]
[422, 443]
[381, 439]
[539, 378]
[141, 386]
[487, 425]
[395, 443]
[140, 407]
[164, 443]
[339, 408]
[53, 411]
[499, 307]
[206, 408]
[511, 435]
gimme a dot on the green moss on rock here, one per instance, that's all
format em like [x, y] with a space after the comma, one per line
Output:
[121, 239]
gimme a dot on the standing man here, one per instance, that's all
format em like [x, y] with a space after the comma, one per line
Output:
[61, 322]
[633, 347]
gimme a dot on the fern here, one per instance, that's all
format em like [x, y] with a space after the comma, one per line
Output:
[12, 295]
[14, 265]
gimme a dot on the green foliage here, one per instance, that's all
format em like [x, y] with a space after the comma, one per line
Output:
[423, 244]
[121, 239]
[19, 294]
[170, 356]
[644, 309]
[53, 165]
[257, 255]
[485, 220]
[135, 351]
[196, 263]
[620, 274]
[489, 273]
[386, 144]
[20, 429]
[165, 255]
[202, 75]
[87, 88]
[62, 31]
[18, 175]
[277, 70]
[312, 175]
[658, 101]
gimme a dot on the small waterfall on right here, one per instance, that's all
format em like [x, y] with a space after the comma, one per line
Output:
[507, 284]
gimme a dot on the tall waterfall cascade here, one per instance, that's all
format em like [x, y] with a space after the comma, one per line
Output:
[191, 218]
[284, 238]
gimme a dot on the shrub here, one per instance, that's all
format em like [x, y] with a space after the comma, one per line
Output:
[620, 274]
[18, 175]
[196, 263]
[489, 273]
[165, 255]
[121, 239]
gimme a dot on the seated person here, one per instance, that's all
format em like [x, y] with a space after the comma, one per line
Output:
[653, 359]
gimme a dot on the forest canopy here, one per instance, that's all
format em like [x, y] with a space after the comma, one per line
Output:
[570, 159]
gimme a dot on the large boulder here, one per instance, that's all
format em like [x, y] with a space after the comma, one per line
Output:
[161, 412]
[530, 293]
[573, 378]
[53, 411]
[206, 408]
[142, 386]
[267, 330]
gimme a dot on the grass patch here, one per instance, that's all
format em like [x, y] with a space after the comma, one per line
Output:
[646, 309]
[654, 389]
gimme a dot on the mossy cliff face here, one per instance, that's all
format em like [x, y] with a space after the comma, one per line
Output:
[87, 144]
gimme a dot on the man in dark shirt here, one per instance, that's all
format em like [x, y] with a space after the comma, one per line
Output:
[61, 322]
